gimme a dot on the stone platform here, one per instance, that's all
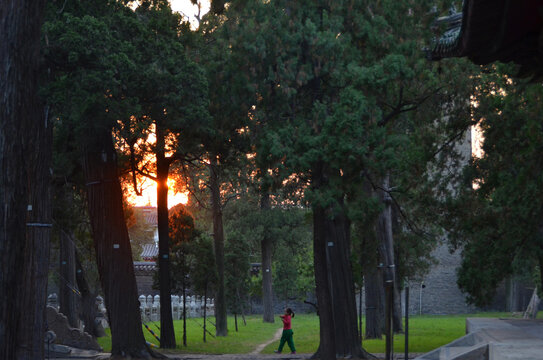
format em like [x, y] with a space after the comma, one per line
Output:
[494, 339]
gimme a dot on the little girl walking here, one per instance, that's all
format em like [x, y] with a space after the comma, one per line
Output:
[287, 332]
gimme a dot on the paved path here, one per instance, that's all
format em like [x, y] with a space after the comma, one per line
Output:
[495, 339]
[261, 347]
[254, 355]
[104, 356]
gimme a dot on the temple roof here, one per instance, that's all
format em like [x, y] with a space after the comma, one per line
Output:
[150, 252]
[490, 30]
[150, 215]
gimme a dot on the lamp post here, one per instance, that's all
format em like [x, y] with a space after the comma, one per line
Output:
[406, 347]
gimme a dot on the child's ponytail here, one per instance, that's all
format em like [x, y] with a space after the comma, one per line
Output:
[290, 312]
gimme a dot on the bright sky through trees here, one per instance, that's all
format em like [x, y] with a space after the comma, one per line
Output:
[190, 10]
[148, 187]
[149, 194]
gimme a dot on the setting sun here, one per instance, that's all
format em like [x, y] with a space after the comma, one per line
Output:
[148, 195]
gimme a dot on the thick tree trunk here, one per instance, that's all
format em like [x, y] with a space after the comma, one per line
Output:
[112, 245]
[334, 281]
[327, 346]
[343, 295]
[218, 241]
[88, 301]
[36, 263]
[266, 249]
[167, 335]
[375, 311]
[67, 288]
[20, 112]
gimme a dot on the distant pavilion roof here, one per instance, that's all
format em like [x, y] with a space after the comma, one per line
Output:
[150, 252]
[490, 30]
[149, 214]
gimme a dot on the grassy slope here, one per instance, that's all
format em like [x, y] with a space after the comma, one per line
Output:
[425, 334]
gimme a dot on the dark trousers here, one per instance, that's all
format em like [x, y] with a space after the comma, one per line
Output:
[287, 337]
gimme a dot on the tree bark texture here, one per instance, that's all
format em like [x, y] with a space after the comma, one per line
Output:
[338, 247]
[327, 346]
[20, 111]
[266, 249]
[375, 311]
[334, 281]
[88, 301]
[112, 245]
[218, 242]
[386, 249]
[397, 321]
[167, 335]
[67, 288]
[36, 262]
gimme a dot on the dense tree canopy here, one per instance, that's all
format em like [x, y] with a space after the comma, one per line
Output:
[286, 110]
[337, 88]
[496, 218]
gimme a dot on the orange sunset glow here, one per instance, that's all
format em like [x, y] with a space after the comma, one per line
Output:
[149, 195]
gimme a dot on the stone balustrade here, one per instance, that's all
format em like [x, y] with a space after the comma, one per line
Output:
[150, 307]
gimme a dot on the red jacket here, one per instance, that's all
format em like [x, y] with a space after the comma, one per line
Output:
[286, 322]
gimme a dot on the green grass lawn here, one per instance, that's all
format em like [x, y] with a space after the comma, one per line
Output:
[243, 341]
[425, 334]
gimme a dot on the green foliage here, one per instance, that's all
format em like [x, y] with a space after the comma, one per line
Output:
[88, 69]
[181, 225]
[237, 276]
[182, 237]
[255, 286]
[497, 220]
[245, 224]
[343, 89]
[293, 273]
[203, 273]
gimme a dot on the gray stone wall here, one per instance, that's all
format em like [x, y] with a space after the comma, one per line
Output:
[438, 292]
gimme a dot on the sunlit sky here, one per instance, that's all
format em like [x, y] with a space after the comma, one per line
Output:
[186, 8]
[149, 194]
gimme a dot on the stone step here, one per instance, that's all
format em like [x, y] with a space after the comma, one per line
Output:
[515, 351]
[475, 352]
[468, 347]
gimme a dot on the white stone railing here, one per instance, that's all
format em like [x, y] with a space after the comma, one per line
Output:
[150, 307]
